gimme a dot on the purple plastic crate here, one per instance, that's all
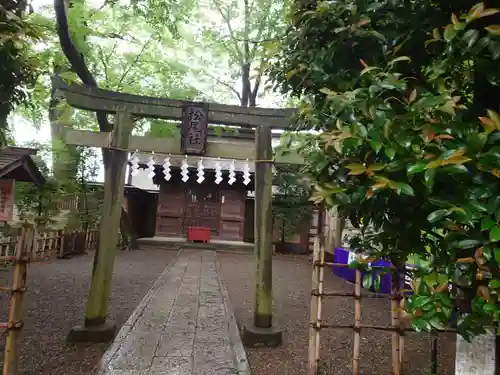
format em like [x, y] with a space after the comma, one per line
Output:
[349, 274]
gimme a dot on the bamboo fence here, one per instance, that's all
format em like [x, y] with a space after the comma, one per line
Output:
[397, 326]
[51, 243]
[29, 246]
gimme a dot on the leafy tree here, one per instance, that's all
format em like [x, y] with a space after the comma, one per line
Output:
[291, 205]
[240, 37]
[401, 152]
[38, 203]
[90, 195]
[17, 71]
[74, 48]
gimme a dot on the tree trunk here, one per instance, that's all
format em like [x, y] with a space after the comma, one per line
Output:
[79, 66]
[246, 85]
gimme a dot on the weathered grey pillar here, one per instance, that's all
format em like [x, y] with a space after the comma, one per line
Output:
[262, 332]
[96, 328]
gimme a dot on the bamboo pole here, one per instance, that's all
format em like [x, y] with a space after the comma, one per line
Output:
[321, 276]
[313, 361]
[357, 323]
[434, 353]
[34, 248]
[375, 327]
[52, 240]
[401, 327]
[316, 295]
[395, 300]
[44, 244]
[60, 243]
[23, 248]
[339, 229]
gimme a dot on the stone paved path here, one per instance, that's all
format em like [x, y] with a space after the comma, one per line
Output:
[184, 326]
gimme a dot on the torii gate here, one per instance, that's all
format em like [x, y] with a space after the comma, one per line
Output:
[126, 107]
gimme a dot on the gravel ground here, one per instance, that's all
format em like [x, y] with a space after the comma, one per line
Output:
[292, 290]
[55, 301]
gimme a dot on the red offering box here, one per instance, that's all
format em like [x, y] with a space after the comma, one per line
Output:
[199, 234]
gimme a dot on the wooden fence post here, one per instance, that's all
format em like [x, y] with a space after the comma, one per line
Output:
[262, 332]
[316, 297]
[24, 248]
[95, 328]
[60, 243]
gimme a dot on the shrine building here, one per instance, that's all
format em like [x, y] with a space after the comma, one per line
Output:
[161, 208]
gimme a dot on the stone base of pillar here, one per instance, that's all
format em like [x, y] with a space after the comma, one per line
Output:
[255, 337]
[100, 333]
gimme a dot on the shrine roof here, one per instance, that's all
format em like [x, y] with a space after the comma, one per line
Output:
[16, 163]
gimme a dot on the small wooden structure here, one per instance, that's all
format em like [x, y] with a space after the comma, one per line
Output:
[16, 164]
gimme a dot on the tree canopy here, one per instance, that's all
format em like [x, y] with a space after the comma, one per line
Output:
[405, 96]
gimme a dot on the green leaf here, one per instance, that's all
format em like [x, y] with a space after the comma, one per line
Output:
[398, 59]
[417, 168]
[327, 91]
[487, 224]
[470, 37]
[367, 281]
[343, 198]
[449, 33]
[396, 165]
[376, 145]
[466, 244]
[376, 283]
[454, 169]
[402, 187]
[493, 204]
[437, 323]
[429, 176]
[438, 215]
[494, 48]
[476, 142]
[390, 152]
[495, 234]
[497, 254]
[478, 206]
[440, 202]
[421, 301]
[493, 29]
[494, 284]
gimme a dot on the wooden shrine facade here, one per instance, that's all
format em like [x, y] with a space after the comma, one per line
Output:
[189, 204]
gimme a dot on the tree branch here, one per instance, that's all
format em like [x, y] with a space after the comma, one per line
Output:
[136, 60]
[227, 20]
[77, 62]
[228, 85]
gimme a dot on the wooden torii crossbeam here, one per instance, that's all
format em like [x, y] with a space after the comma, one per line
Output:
[119, 142]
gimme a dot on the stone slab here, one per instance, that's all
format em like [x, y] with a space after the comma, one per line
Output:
[184, 326]
[476, 357]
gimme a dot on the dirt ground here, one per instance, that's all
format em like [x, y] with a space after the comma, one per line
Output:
[292, 290]
[55, 301]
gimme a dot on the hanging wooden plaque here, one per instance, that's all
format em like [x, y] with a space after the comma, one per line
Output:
[194, 129]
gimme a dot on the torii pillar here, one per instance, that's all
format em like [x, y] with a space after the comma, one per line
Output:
[262, 332]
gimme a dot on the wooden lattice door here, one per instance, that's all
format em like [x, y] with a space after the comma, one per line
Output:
[170, 210]
[201, 208]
